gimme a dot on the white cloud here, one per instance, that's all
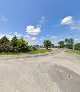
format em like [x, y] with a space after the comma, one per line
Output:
[42, 38]
[30, 38]
[3, 19]
[27, 36]
[61, 39]
[32, 41]
[7, 35]
[67, 21]
[34, 38]
[2, 35]
[18, 35]
[75, 26]
[54, 37]
[31, 30]
[11, 35]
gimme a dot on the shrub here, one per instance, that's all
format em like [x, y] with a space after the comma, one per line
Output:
[77, 46]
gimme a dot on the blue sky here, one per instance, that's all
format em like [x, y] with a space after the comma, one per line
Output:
[43, 16]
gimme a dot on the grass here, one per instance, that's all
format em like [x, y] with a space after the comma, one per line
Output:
[10, 54]
[73, 52]
[39, 51]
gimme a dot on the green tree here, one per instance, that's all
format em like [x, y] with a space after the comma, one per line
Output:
[61, 44]
[69, 43]
[67, 40]
[15, 45]
[4, 40]
[22, 45]
[47, 43]
[14, 41]
[77, 46]
[4, 44]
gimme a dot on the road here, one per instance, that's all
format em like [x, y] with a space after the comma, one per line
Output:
[57, 71]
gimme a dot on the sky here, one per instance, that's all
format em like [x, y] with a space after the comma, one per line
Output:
[39, 20]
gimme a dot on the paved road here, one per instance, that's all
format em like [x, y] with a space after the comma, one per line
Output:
[51, 72]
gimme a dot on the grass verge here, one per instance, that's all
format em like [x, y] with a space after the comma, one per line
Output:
[10, 54]
[73, 52]
[39, 51]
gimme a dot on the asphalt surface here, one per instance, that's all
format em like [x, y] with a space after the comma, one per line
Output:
[52, 72]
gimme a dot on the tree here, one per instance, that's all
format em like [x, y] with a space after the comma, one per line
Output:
[22, 45]
[15, 45]
[4, 44]
[5, 48]
[77, 46]
[14, 41]
[4, 40]
[61, 43]
[69, 43]
[47, 43]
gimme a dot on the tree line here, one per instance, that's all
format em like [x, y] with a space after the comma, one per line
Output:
[68, 43]
[20, 45]
[13, 46]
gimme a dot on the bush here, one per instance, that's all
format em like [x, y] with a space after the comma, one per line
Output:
[69, 46]
[32, 48]
[61, 44]
[13, 46]
[77, 46]
[5, 48]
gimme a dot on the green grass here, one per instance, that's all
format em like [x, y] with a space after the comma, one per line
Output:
[39, 51]
[73, 52]
[10, 54]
